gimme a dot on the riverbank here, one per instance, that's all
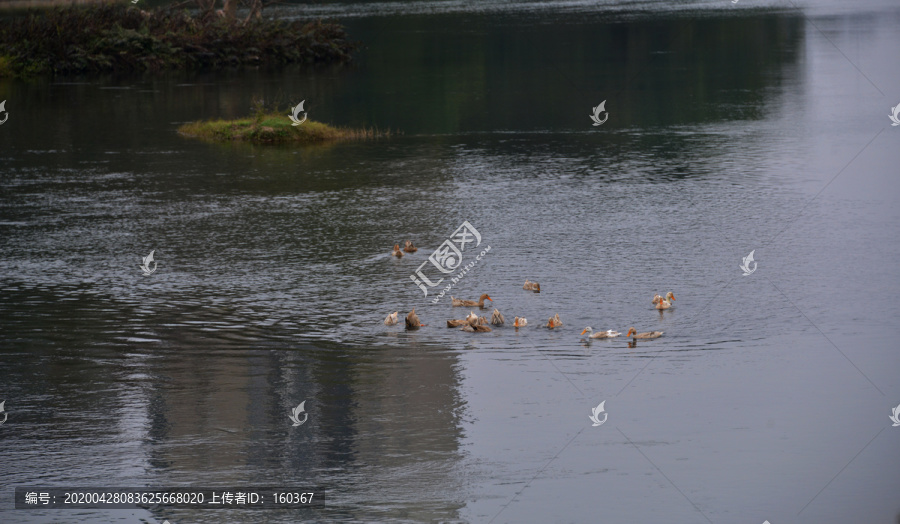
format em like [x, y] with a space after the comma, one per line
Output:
[274, 128]
[116, 38]
[7, 6]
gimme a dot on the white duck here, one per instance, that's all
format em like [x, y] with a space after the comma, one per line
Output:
[600, 334]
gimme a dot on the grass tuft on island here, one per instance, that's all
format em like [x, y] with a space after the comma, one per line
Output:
[275, 129]
[116, 37]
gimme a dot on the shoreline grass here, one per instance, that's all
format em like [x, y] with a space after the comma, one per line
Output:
[272, 128]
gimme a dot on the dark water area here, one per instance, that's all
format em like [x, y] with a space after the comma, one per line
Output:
[731, 128]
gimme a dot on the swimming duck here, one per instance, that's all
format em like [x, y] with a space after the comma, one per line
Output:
[554, 322]
[412, 320]
[409, 247]
[470, 303]
[531, 286]
[391, 319]
[520, 322]
[650, 334]
[470, 318]
[497, 318]
[478, 325]
[663, 303]
[600, 334]
[396, 252]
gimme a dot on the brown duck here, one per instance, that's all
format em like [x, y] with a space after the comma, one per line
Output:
[554, 322]
[663, 303]
[531, 286]
[412, 320]
[461, 322]
[456, 302]
[477, 326]
[650, 334]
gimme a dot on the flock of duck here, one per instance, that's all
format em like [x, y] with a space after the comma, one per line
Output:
[407, 247]
[479, 324]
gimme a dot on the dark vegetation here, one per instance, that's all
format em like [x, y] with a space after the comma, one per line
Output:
[117, 37]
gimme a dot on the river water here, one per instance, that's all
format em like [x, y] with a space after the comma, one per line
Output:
[732, 127]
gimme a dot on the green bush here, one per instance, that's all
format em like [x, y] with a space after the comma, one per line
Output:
[119, 37]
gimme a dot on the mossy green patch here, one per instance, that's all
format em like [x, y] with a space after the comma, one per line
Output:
[6, 69]
[274, 129]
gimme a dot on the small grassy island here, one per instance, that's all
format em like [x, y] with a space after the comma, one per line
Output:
[117, 37]
[272, 128]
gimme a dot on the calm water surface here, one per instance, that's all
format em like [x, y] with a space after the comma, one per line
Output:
[732, 128]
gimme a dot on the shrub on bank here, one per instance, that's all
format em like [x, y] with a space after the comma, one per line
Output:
[121, 37]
